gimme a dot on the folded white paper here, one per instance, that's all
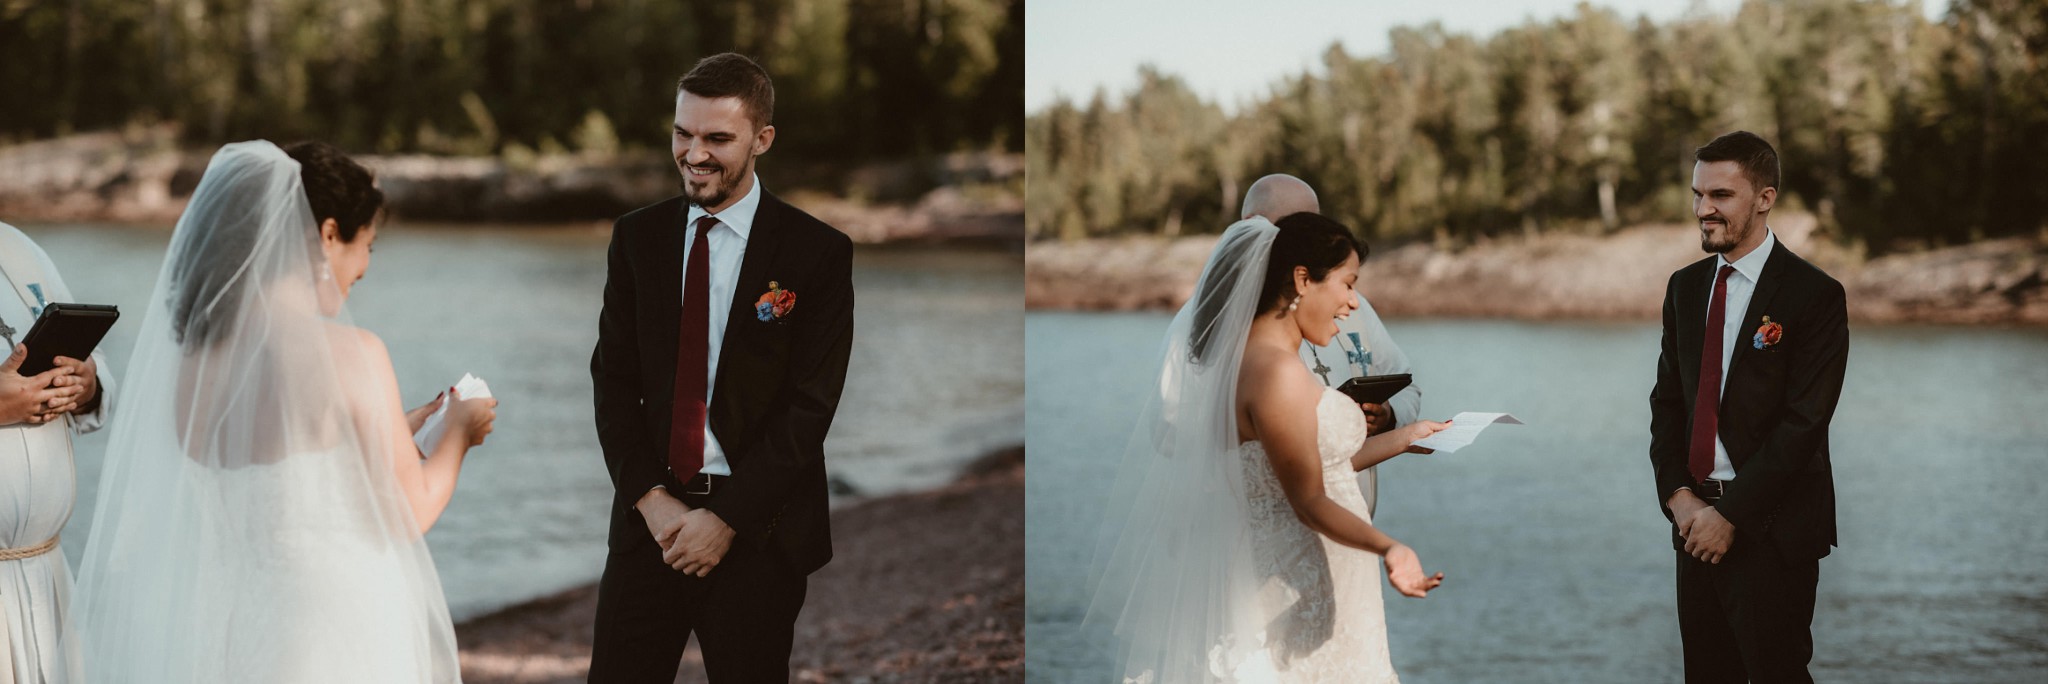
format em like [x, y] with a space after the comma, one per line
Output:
[1465, 427]
[469, 387]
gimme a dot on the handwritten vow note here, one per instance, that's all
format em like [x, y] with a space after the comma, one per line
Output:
[470, 387]
[1465, 427]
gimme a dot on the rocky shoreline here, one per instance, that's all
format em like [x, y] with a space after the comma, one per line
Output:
[1619, 276]
[145, 176]
[923, 587]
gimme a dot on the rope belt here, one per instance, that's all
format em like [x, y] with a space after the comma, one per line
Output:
[28, 551]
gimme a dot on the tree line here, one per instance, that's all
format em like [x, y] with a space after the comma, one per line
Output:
[1896, 131]
[855, 79]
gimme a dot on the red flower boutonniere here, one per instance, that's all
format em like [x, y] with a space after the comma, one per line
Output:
[1768, 334]
[775, 303]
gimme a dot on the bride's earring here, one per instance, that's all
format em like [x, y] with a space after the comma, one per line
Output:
[1294, 304]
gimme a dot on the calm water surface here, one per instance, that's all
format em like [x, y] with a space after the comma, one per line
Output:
[1557, 560]
[935, 378]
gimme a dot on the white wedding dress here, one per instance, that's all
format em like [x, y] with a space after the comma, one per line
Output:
[1202, 573]
[329, 598]
[1321, 599]
[250, 526]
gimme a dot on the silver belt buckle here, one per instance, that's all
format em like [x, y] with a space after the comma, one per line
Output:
[707, 485]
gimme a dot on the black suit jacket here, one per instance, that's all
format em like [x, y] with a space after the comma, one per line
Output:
[1775, 405]
[777, 385]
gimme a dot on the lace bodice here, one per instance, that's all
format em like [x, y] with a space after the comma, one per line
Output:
[1327, 621]
[1340, 431]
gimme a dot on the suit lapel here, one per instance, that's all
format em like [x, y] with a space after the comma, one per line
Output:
[763, 241]
[1692, 326]
[667, 246]
[1759, 306]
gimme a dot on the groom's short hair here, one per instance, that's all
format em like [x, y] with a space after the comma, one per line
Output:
[1759, 161]
[731, 74]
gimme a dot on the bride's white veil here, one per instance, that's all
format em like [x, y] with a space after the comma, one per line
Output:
[249, 526]
[1173, 572]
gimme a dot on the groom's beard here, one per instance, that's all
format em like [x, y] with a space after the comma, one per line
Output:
[715, 191]
[1730, 236]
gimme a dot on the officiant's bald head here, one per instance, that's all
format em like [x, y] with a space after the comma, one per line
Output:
[1277, 196]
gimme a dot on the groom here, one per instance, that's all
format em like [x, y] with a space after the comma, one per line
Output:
[721, 352]
[1755, 342]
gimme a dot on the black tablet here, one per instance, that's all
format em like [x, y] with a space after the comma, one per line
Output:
[72, 330]
[1374, 389]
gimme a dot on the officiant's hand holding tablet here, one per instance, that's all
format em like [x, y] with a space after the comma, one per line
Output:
[33, 387]
[1375, 389]
[67, 330]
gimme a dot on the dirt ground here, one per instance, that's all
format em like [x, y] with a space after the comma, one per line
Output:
[922, 587]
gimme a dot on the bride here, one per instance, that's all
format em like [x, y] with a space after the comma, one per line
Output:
[261, 508]
[1241, 549]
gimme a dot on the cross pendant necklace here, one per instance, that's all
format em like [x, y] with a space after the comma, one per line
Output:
[8, 333]
[1320, 369]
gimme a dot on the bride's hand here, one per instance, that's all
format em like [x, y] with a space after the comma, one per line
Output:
[474, 416]
[1404, 571]
[418, 416]
[1421, 429]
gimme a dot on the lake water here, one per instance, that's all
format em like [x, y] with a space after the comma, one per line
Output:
[935, 380]
[1557, 562]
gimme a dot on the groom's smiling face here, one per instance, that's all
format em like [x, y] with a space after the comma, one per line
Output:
[1729, 207]
[714, 145]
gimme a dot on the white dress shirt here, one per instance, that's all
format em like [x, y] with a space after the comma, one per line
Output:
[1741, 285]
[728, 241]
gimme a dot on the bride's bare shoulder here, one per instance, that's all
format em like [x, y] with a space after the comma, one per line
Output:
[345, 339]
[361, 355]
[1275, 376]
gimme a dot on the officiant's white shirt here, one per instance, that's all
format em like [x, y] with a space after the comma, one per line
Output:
[38, 487]
[728, 242]
[18, 272]
[1741, 285]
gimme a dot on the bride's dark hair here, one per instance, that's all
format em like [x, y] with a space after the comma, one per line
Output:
[337, 187]
[208, 267]
[1307, 240]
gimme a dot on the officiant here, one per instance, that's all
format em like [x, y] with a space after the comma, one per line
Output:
[39, 414]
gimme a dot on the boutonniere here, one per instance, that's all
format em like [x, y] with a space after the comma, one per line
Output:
[1768, 334]
[775, 303]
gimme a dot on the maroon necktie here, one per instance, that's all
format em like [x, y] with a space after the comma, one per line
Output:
[693, 353]
[1706, 407]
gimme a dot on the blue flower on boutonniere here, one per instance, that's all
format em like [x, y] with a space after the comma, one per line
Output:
[1767, 335]
[775, 303]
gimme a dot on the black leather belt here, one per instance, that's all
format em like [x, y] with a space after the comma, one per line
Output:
[703, 484]
[1711, 490]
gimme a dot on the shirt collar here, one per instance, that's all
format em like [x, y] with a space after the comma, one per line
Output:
[739, 217]
[1751, 265]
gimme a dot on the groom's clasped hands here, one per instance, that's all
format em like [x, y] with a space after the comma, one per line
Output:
[1707, 534]
[693, 540]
